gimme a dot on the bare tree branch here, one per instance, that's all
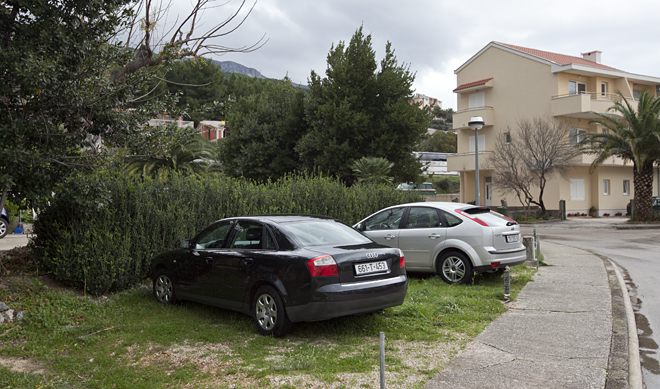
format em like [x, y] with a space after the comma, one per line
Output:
[523, 161]
[183, 40]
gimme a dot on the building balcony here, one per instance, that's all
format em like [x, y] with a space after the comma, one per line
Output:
[465, 161]
[584, 105]
[588, 159]
[462, 117]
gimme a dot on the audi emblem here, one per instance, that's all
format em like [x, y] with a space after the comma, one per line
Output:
[372, 255]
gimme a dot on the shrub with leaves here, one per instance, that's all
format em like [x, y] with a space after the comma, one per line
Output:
[101, 230]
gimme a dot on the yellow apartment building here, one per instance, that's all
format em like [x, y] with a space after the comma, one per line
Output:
[504, 83]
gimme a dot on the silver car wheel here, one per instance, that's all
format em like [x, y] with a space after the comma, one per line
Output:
[266, 311]
[164, 289]
[453, 268]
[3, 228]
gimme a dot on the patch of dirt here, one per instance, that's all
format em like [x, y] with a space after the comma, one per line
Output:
[215, 359]
[17, 261]
[22, 365]
[419, 359]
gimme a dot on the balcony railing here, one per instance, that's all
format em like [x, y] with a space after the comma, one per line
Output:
[462, 117]
[584, 105]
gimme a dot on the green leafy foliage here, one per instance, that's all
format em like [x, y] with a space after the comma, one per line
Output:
[57, 89]
[359, 109]
[372, 170]
[634, 135]
[439, 141]
[265, 127]
[161, 151]
[102, 230]
[201, 87]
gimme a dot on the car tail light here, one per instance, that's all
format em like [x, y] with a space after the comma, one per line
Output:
[494, 265]
[402, 260]
[473, 218]
[322, 266]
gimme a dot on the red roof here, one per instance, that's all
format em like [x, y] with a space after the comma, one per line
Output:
[472, 84]
[559, 59]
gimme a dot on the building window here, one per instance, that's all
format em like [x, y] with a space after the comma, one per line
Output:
[603, 89]
[626, 187]
[577, 189]
[606, 187]
[637, 93]
[576, 135]
[476, 100]
[575, 87]
[507, 137]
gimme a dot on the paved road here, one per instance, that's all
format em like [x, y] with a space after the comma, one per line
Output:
[638, 252]
[10, 241]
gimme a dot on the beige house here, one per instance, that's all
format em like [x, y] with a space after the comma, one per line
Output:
[504, 83]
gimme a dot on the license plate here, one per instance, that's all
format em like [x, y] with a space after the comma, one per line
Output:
[512, 238]
[370, 267]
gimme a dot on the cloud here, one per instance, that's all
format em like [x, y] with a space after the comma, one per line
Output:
[437, 37]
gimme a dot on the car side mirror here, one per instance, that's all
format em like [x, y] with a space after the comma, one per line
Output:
[359, 227]
[185, 244]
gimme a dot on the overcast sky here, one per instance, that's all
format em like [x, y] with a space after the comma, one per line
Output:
[436, 37]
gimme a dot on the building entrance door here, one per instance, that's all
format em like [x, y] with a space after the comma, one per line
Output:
[489, 192]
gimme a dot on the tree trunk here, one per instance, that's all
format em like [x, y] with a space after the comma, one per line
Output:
[643, 181]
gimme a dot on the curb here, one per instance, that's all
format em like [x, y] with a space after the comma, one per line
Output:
[634, 364]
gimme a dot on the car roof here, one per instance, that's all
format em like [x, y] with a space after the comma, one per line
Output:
[438, 204]
[276, 219]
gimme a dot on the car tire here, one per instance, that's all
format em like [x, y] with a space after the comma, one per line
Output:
[4, 228]
[269, 312]
[164, 291]
[454, 267]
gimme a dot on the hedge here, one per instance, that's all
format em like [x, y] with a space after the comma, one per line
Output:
[101, 230]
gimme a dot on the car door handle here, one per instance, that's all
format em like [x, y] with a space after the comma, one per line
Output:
[389, 236]
[209, 260]
[434, 236]
[248, 261]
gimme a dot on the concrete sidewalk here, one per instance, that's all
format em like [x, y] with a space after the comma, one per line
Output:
[11, 241]
[557, 334]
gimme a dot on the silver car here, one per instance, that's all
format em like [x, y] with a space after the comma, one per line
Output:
[452, 239]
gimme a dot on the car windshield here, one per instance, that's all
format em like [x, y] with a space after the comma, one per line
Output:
[492, 218]
[324, 233]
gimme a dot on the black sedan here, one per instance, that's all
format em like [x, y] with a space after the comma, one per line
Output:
[282, 269]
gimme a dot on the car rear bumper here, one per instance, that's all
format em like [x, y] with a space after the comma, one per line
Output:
[336, 300]
[501, 259]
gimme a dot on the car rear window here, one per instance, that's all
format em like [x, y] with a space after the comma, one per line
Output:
[488, 216]
[323, 233]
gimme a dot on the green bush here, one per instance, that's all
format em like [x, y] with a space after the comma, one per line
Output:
[101, 230]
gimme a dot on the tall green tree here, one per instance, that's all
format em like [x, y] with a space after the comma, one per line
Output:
[634, 135]
[362, 109]
[264, 129]
[440, 141]
[200, 86]
[57, 98]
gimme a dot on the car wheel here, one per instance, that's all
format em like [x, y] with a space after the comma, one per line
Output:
[269, 313]
[4, 227]
[164, 288]
[454, 268]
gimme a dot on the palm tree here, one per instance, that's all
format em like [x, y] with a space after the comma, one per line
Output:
[633, 135]
[193, 156]
[371, 170]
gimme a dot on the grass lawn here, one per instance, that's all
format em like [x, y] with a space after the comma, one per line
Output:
[128, 340]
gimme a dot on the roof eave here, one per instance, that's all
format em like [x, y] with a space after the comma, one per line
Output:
[507, 49]
[604, 72]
